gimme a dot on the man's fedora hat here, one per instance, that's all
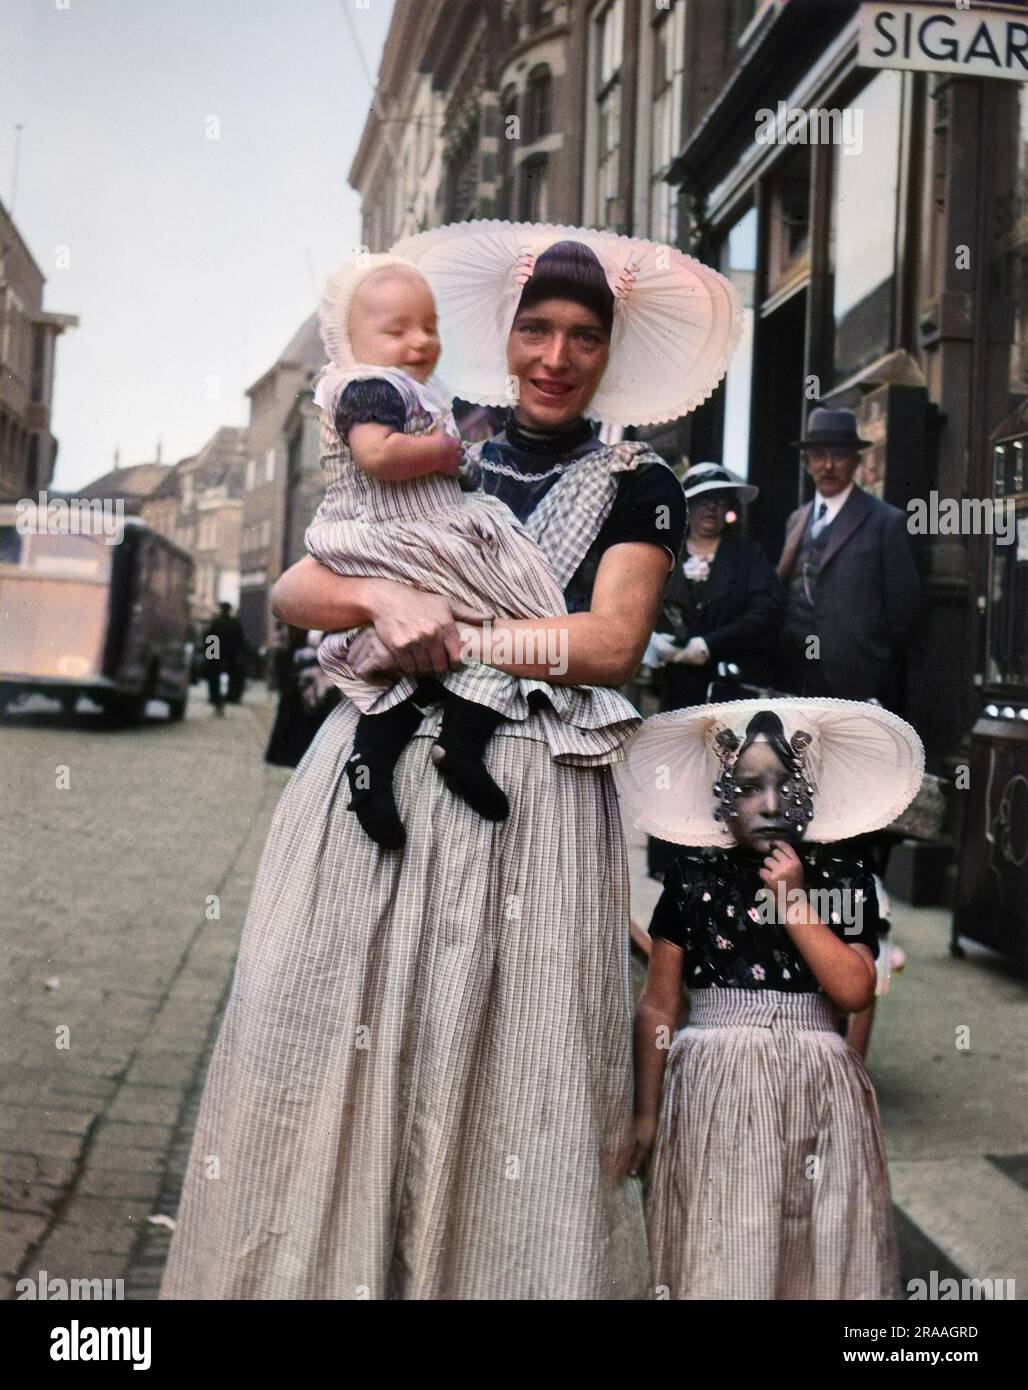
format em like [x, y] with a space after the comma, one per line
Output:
[832, 427]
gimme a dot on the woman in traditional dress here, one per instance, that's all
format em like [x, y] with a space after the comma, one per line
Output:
[422, 1085]
[768, 1176]
[723, 603]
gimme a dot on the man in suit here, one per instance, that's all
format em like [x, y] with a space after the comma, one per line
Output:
[853, 592]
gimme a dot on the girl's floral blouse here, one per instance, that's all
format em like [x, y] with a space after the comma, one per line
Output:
[712, 910]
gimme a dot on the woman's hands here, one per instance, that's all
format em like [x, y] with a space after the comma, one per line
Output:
[694, 653]
[644, 1134]
[669, 653]
[414, 634]
[663, 647]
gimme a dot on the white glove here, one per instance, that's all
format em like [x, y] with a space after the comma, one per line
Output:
[661, 649]
[694, 653]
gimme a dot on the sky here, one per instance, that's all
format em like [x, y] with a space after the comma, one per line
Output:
[190, 260]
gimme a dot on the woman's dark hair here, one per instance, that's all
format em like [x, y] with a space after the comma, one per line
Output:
[569, 270]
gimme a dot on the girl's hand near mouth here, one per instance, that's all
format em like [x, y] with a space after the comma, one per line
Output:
[782, 866]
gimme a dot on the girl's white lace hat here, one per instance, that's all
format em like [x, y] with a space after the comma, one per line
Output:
[864, 764]
[676, 321]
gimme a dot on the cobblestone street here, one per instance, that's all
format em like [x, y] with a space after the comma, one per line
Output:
[115, 968]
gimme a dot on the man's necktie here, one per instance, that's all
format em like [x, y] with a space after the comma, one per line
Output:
[819, 521]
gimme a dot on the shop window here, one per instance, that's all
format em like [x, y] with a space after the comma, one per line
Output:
[863, 229]
[1007, 594]
[1010, 271]
[738, 263]
[666, 108]
[788, 235]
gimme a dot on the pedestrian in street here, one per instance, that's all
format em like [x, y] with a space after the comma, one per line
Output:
[853, 591]
[852, 585]
[224, 648]
[768, 1176]
[723, 603]
[422, 1086]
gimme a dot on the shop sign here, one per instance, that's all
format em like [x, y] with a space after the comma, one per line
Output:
[965, 40]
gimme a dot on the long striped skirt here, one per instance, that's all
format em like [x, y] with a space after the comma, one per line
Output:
[422, 1083]
[768, 1178]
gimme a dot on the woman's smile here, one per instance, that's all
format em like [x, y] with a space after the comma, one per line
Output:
[557, 351]
[549, 387]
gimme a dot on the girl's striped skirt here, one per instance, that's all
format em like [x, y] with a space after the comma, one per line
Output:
[768, 1179]
[422, 1084]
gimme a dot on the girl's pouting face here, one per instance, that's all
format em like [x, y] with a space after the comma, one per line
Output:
[763, 787]
[393, 323]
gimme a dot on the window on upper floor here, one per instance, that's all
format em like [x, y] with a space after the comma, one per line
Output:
[606, 31]
[269, 466]
[666, 100]
[510, 135]
[538, 104]
[39, 354]
[541, 14]
[532, 189]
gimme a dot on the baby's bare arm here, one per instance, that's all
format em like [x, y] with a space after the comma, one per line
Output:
[393, 456]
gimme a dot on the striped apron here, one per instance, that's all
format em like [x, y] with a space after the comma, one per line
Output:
[422, 1084]
[768, 1176]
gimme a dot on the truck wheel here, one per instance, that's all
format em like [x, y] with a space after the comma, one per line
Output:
[126, 709]
[177, 707]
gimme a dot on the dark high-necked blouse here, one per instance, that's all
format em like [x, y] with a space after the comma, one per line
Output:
[709, 910]
[519, 466]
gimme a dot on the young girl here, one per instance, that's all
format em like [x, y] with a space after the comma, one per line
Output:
[768, 1176]
[395, 508]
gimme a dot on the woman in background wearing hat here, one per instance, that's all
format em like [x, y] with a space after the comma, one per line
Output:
[422, 1086]
[722, 603]
[768, 1177]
